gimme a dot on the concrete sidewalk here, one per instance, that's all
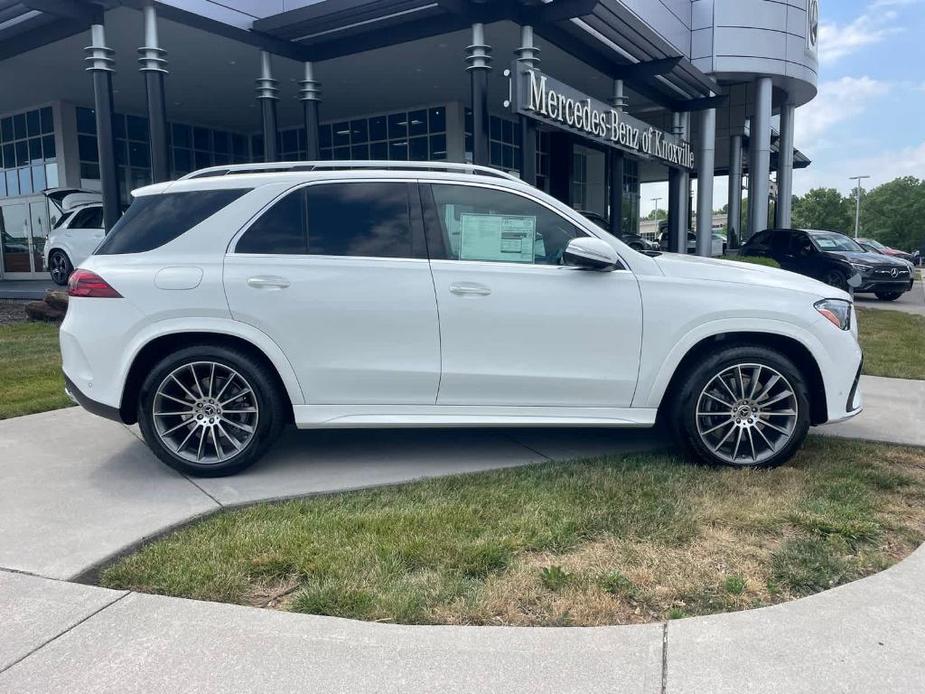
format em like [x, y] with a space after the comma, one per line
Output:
[75, 489]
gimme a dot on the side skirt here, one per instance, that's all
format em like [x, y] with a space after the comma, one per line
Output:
[387, 416]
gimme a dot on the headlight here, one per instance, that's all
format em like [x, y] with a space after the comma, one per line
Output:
[836, 311]
[862, 268]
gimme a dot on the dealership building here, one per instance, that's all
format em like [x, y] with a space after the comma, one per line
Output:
[586, 99]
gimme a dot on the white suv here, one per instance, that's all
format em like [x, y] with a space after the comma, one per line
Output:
[373, 294]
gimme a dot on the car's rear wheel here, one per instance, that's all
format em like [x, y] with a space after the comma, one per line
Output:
[745, 406]
[837, 279]
[59, 267]
[210, 410]
[889, 296]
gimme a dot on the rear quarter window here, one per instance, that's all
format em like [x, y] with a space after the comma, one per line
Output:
[154, 220]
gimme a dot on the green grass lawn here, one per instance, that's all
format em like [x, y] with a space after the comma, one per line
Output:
[605, 541]
[893, 342]
[30, 369]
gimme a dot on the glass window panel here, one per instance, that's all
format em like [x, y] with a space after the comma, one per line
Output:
[38, 177]
[221, 158]
[326, 155]
[524, 231]
[324, 136]
[359, 152]
[418, 149]
[6, 129]
[86, 147]
[9, 156]
[398, 150]
[22, 152]
[25, 181]
[496, 156]
[341, 153]
[290, 141]
[181, 135]
[136, 128]
[89, 171]
[139, 154]
[118, 126]
[86, 120]
[12, 182]
[280, 230]
[201, 139]
[379, 151]
[2, 186]
[221, 141]
[139, 178]
[398, 125]
[437, 118]
[300, 139]
[121, 153]
[33, 123]
[48, 146]
[51, 175]
[359, 219]
[494, 128]
[182, 160]
[507, 132]
[19, 126]
[438, 147]
[517, 134]
[341, 134]
[47, 120]
[469, 125]
[378, 128]
[359, 131]
[239, 144]
[35, 150]
[417, 123]
[203, 159]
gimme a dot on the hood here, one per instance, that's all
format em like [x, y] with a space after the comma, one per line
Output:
[731, 271]
[866, 257]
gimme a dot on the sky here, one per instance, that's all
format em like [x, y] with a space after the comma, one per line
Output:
[869, 115]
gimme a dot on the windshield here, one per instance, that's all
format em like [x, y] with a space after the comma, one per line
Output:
[828, 241]
[875, 244]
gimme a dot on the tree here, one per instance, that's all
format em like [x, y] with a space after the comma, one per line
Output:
[824, 208]
[894, 213]
[657, 213]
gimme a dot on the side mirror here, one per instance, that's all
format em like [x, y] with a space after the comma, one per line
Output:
[591, 253]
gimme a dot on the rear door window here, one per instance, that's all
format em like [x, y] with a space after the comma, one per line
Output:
[88, 218]
[154, 220]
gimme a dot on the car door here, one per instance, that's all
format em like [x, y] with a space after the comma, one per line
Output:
[337, 275]
[84, 233]
[517, 327]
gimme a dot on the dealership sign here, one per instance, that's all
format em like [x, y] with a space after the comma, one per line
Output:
[541, 97]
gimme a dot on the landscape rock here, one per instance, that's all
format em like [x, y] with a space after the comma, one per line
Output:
[56, 298]
[39, 310]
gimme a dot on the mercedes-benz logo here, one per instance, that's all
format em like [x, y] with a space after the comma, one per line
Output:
[894, 273]
[813, 22]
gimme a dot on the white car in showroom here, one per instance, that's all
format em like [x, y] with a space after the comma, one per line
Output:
[239, 299]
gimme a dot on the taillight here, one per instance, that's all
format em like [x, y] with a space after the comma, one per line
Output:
[86, 283]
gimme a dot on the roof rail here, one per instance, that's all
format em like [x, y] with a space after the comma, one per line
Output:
[284, 166]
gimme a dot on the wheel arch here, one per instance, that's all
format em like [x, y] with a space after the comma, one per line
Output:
[791, 347]
[165, 343]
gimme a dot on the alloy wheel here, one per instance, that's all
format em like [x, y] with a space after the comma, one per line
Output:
[58, 263]
[747, 413]
[205, 412]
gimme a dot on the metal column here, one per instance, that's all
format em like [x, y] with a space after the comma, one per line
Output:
[528, 55]
[674, 194]
[310, 94]
[100, 65]
[759, 157]
[734, 206]
[616, 161]
[154, 68]
[706, 160]
[479, 59]
[268, 95]
[783, 218]
[681, 226]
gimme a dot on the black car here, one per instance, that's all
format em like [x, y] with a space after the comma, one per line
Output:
[834, 259]
[634, 241]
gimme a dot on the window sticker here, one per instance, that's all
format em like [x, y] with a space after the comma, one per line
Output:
[504, 238]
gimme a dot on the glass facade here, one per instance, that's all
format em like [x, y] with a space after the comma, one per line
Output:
[28, 160]
[403, 136]
[504, 147]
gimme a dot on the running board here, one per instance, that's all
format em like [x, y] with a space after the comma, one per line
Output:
[389, 416]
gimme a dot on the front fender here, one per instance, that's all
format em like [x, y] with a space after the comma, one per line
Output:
[654, 381]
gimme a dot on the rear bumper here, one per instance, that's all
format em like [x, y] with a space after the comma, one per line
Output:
[89, 404]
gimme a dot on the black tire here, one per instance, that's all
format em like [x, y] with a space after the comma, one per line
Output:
[270, 404]
[837, 279]
[59, 267]
[889, 296]
[684, 417]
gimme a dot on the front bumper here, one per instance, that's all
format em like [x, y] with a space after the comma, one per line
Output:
[872, 284]
[90, 405]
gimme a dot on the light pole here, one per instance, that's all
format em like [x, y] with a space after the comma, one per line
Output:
[656, 201]
[857, 204]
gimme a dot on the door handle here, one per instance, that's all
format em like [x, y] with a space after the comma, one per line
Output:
[268, 282]
[469, 289]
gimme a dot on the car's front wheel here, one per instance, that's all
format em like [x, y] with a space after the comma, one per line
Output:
[210, 410]
[889, 296]
[837, 279]
[59, 267]
[744, 406]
